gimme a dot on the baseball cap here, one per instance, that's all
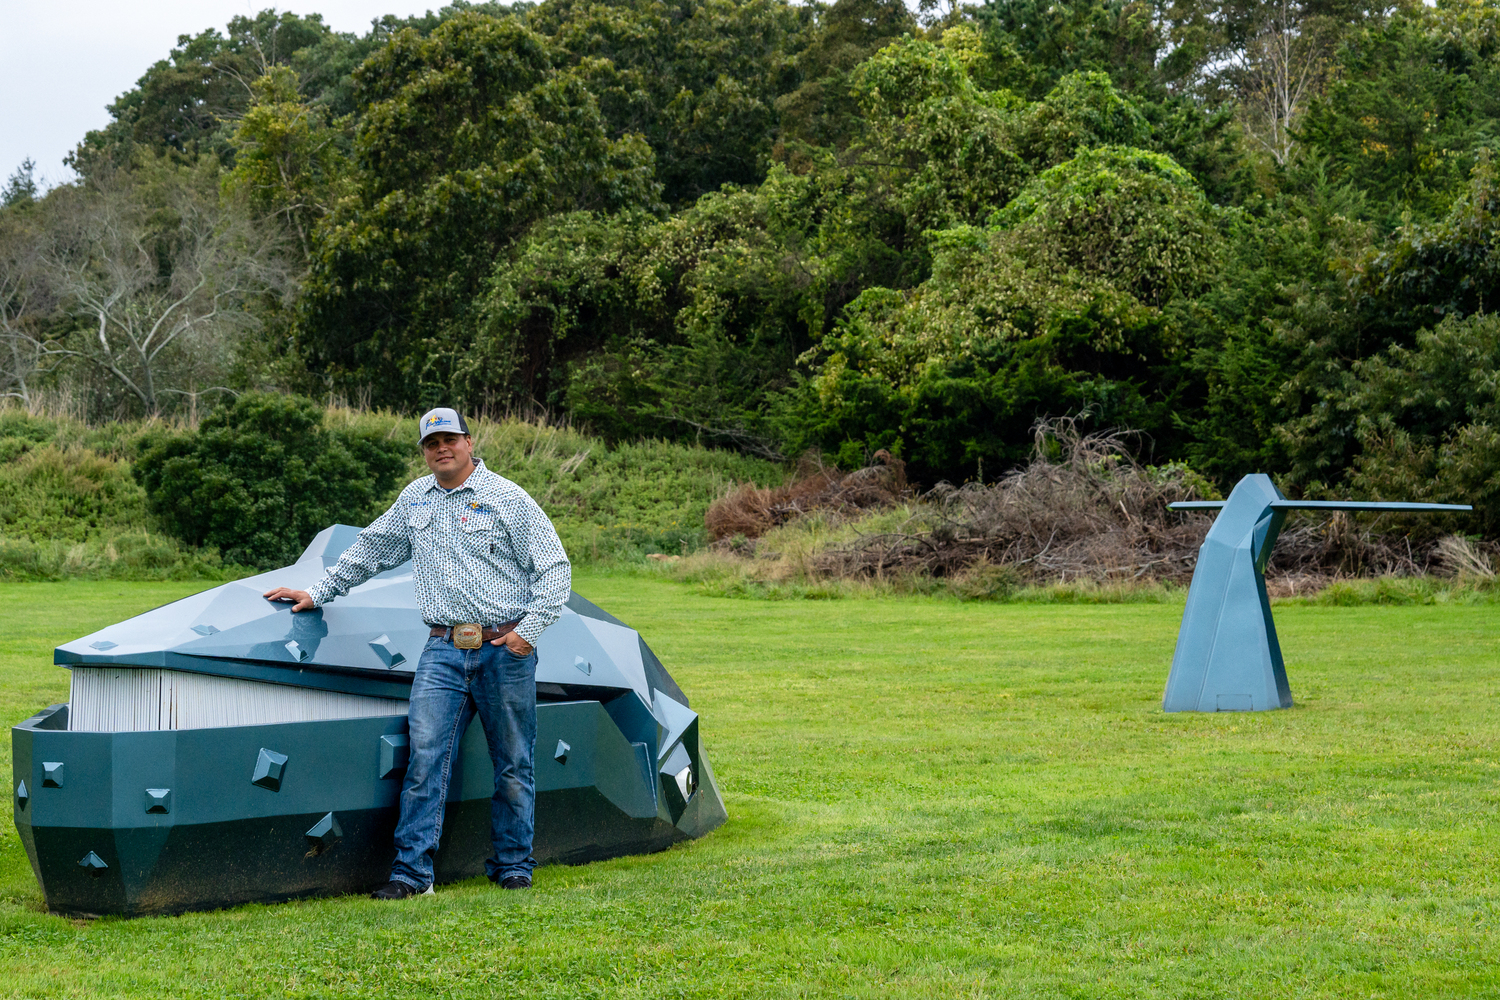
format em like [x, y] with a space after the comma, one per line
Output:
[440, 421]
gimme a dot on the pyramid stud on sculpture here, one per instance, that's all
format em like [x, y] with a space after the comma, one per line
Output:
[561, 753]
[395, 751]
[297, 652]
[205, 629]
[93, 864]
[158, 800]
[22, 795]
[386, 650]
[324, 833]
[269, 767]
[677, 781]
[582, 664]
[52, 774]
[104, 645]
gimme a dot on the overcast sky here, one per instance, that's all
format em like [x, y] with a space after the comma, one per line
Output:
[62, 61]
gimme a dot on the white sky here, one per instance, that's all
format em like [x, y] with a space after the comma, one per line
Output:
[62, 61]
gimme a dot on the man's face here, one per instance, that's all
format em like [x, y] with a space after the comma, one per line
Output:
[447, 453]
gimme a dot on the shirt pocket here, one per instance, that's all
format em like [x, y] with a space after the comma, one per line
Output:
[419, 524]
[484, 536]
[478, 533]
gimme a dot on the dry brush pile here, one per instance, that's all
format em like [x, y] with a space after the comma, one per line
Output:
[749, 511]
[1083, 509]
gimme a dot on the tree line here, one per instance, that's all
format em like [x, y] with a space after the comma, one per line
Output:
[1262, 234]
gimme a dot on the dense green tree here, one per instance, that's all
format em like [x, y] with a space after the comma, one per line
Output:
[1031, 44]
[823, 111]
[640, 326]
[697, 79]
[1427, 419]
[189, 102]
[1057, 308]
[290, 159]
[467, 137]
[1410, 108]
[1259, 325]
[1385, 295]
[260, 477]
[693, 324]
[184, 102]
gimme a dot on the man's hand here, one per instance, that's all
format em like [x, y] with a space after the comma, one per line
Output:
[303, 600]
[514, 643]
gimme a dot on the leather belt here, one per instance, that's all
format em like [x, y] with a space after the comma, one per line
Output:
[465, 631]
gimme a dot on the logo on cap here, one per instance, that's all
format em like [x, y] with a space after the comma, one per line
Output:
[437, 420]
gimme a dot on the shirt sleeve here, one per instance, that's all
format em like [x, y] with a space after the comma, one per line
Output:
[541, 552]
[384, 545]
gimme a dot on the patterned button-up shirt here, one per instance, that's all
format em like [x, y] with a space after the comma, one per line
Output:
[483, 553]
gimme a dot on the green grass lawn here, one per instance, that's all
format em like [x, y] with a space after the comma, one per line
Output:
[926, 799]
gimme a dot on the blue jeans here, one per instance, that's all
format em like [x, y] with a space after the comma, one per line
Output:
[450, 687]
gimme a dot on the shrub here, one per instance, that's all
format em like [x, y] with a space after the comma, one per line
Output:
[69, 495]
[20, 433]
[259, 478]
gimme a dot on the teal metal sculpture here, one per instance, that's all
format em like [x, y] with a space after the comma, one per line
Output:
[221, 750]
[1228, 658]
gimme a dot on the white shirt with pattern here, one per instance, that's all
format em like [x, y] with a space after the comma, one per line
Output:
[482, 553]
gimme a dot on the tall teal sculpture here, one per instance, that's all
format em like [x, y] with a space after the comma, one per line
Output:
[1228, 658]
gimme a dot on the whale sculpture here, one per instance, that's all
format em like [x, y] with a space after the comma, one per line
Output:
[221, 750]
[1228, 658]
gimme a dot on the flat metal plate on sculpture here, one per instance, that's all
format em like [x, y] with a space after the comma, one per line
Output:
[1228, 658]
[221, 750]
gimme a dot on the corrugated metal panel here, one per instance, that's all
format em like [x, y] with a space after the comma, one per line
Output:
[136, 699]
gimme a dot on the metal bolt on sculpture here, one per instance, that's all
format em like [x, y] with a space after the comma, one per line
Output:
[1228, 658]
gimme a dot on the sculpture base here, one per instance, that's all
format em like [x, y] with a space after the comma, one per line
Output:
[136, 823]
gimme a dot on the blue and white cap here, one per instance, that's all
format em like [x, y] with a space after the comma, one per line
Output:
[440, 421]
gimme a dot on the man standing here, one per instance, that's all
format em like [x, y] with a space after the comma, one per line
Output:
[490, 575]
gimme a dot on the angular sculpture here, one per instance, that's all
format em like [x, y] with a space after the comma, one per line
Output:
[1227, 658]
[222, 750]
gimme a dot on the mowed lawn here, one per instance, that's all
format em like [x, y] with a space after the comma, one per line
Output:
[926, 799]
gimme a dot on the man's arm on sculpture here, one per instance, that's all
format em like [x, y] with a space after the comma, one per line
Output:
[385, 544]
[539, 548]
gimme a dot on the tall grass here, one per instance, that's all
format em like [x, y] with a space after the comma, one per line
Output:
[69, 506]
[609, 502]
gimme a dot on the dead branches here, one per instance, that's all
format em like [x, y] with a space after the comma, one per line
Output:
[750, 511]
[1083, 508]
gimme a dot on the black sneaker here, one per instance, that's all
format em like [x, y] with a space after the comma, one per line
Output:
[516, 882]
[396, 889]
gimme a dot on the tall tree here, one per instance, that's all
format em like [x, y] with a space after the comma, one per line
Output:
[467, 137]
[186, 103]
[26, 301]
[290, 158]
[823, 110]
[1281, 70]
[698, 80]
[160, 278]
[1413, 103]
[20, 187]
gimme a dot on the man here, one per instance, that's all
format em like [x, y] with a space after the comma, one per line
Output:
[490, 575]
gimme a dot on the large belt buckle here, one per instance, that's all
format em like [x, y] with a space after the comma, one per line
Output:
[468, 636]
